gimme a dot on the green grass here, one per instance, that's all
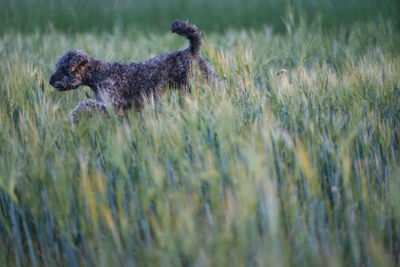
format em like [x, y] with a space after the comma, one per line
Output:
[293, 160]
[73, 16]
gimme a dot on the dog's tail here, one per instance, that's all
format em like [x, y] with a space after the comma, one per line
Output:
[190, 32]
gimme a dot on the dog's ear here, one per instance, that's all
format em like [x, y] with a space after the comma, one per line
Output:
[80, 63]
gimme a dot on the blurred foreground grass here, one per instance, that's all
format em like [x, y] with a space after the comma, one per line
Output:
[294, 160]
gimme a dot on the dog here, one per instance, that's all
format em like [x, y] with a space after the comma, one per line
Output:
[126, 85]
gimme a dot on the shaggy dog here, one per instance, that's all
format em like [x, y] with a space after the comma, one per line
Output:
[126, 85]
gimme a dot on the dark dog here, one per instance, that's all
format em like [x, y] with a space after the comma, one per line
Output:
[125, 85]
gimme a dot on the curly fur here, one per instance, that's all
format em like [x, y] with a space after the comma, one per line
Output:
[126, 85]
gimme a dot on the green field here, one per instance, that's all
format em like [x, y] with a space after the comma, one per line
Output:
[293, 160]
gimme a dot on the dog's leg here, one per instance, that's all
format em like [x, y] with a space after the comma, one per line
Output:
[207, 71]
[87, 107]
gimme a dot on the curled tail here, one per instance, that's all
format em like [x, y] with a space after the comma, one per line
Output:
[190, 32]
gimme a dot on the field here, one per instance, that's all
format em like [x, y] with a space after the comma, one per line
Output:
[292, 160]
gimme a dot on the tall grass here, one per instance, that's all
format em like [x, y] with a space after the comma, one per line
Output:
[293, 160]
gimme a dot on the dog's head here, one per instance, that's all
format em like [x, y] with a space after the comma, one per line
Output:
[70, 70]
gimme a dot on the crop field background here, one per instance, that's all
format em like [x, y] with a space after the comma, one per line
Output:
[292, 160]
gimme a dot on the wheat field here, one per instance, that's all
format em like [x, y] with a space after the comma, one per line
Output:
[292, 160]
